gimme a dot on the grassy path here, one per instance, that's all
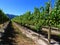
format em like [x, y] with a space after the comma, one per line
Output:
[32, 35]
[13, 36]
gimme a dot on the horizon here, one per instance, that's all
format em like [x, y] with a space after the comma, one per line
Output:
[19, 7]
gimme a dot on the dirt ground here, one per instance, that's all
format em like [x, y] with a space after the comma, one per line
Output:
[21, 39]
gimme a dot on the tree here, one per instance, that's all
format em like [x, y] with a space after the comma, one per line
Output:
[3, 17]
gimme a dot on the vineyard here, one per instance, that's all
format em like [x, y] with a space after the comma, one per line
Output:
[43, 24]
[43, 16]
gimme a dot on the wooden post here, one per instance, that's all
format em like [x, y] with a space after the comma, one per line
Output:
[49, 33]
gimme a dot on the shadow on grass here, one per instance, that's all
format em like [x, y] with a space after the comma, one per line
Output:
[7, 38]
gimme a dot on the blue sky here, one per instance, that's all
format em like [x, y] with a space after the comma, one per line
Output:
[18, 7]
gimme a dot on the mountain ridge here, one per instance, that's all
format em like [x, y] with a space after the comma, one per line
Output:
[11, 16]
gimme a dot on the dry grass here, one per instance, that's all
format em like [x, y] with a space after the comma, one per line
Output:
[1, 25]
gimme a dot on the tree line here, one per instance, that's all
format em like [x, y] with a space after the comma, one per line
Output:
[3, 17]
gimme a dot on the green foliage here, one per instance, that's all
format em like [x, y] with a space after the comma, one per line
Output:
[41, 17]
[3, 17]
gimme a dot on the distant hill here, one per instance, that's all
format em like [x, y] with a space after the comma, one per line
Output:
[11, 16]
